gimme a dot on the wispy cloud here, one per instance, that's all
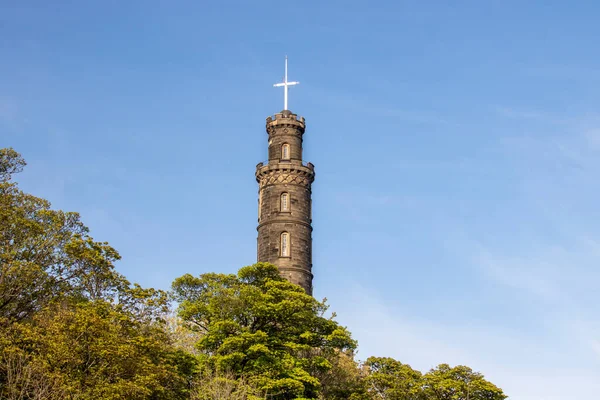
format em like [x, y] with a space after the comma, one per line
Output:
[547, 273]
[532, 276]
[511, 112]
[520, 364]
[559, 268]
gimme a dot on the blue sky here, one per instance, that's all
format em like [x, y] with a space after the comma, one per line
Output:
[456, 147]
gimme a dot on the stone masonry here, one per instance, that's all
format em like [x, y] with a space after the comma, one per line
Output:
[284, 201]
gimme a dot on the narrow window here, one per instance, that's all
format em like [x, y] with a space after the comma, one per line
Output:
[285, 152]
[285, 244]
[285, 202]
[259, 204]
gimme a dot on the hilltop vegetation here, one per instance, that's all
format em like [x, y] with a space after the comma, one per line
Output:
[72, 327]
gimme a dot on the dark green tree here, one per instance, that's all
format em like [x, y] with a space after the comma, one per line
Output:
[258, 326]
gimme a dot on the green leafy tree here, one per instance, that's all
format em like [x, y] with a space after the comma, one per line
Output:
[46, 254]
[70, 325]
[27, 377]
[212, 385]
[344, 380]
[96, 351]
[390, 379]
[459, 383]
[259, 326]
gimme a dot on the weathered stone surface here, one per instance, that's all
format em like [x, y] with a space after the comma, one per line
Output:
[293, 177]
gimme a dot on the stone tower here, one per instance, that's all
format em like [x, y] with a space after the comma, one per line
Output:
[284, 201]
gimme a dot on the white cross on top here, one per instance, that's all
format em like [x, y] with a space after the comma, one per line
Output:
[285, 85]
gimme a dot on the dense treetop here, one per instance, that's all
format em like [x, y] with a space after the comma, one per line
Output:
[72, 327]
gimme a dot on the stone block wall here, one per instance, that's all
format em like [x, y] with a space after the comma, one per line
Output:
[294, 178]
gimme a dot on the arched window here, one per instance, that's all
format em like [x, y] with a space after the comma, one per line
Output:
[285, 244]
[259, 204]
[285, 151]
[285, 202]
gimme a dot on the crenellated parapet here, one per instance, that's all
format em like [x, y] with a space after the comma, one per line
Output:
[285, 122]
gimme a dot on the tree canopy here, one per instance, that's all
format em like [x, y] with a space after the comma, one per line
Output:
[47, 254]
[72, 327]
[257, 324]
[389, 379]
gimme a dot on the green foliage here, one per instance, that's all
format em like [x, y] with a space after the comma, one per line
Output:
[459, 383]
[46, 254]
[210, 385]
[260, 326]
[390, 379]
[71, 327]
[98, 352]
[11, 163]
[344, 380]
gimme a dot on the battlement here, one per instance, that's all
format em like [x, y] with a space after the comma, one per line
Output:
[285, 117]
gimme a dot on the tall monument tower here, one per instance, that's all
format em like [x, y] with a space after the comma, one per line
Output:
[284, 199]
